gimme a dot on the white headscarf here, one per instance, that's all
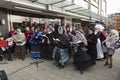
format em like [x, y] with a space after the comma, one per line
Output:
[115, 32]
[99, 27]
[81, 38]
[19, 31]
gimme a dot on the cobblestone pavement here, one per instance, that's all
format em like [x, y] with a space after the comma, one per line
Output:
[22, 70]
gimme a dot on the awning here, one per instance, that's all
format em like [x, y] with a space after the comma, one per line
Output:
[48, 2]
[69, 6]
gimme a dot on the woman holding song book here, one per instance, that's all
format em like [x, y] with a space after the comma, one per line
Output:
[60, 52]
[81, 59]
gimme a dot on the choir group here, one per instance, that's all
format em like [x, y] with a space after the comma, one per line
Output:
[60, 44]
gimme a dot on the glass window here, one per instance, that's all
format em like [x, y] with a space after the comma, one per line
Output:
[85, 4]
[64, 3]
[103, 7]
[94, 9]
[94, 2]
[85, 0]
[69, 0]
[71, 7]
[49, 1]
[81, 3]
[78, 2]
[117, 14]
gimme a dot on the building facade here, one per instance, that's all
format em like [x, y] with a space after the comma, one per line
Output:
[47, 11]
[116, 18]
[97, 6]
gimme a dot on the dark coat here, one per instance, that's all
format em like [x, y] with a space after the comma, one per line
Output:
[64, 43]
[92, 49]
[48, 48]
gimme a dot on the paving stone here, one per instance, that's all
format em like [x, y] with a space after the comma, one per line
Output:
[22, 70]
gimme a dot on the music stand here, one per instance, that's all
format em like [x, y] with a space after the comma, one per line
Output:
[36, 56]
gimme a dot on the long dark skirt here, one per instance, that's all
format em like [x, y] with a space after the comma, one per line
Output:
[36, 48]
[92, 51]
[70, 51]
[47, 51]
[81, 59]
[20, 52]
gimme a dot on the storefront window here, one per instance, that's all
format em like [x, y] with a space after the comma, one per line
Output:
[23, 21]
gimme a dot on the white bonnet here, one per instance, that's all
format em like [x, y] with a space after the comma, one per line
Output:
[99, 26]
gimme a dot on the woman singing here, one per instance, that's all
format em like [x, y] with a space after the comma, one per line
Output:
[109, 46]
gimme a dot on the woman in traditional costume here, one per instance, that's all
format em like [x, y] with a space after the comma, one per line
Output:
[70, 39]
[81, 59]
[48, 45]
[98, 31]
[20, 41]
[36, 42]
[92, 49]
[109, 46]
[60, 52]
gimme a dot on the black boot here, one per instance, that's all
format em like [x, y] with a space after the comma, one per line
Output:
[58, 65]
[110, 66]
[81, 71]
[61, 67]
[106, 64]
[1, 58]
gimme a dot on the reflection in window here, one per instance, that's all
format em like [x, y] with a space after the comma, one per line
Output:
[117, 14]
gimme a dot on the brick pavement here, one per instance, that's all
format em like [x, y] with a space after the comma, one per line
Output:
[21, 70]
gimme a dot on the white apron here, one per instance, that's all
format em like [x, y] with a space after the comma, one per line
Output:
[99, 50]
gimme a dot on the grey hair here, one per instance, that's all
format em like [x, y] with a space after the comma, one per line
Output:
[19, 30]
[115, 32]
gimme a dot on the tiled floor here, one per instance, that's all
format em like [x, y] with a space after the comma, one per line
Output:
[22, 70]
